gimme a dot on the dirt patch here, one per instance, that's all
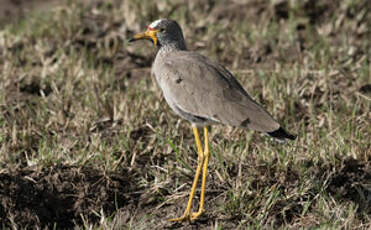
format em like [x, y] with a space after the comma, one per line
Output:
[60, 195]
[352, 182]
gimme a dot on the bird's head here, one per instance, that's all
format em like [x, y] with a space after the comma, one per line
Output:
[162, 32]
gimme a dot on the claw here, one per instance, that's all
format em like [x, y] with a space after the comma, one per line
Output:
[185, 216]
[195, 215]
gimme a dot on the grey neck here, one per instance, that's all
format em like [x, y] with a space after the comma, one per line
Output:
[175, 46]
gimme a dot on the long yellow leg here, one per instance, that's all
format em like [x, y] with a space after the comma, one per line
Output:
[195, 215]
[187, 212]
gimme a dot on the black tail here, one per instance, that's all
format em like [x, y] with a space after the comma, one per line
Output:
[281, 134]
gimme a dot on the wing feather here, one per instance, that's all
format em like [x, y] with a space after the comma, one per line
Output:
[204, 88]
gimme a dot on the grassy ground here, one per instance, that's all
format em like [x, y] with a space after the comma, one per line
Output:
[87, 140]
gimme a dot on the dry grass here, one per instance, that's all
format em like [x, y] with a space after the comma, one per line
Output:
[87, 140]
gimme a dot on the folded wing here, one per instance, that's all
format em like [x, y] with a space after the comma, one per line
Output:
[206, 89]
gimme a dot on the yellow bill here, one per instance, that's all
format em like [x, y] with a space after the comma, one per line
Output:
[150, 34]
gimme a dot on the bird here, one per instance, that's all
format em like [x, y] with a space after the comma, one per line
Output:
[203, 92]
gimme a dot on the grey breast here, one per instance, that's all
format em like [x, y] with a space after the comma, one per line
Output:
[196, 87]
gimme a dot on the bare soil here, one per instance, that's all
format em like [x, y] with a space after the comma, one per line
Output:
[62, 194]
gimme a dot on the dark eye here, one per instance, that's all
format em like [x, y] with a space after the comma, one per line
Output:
[162, 30]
